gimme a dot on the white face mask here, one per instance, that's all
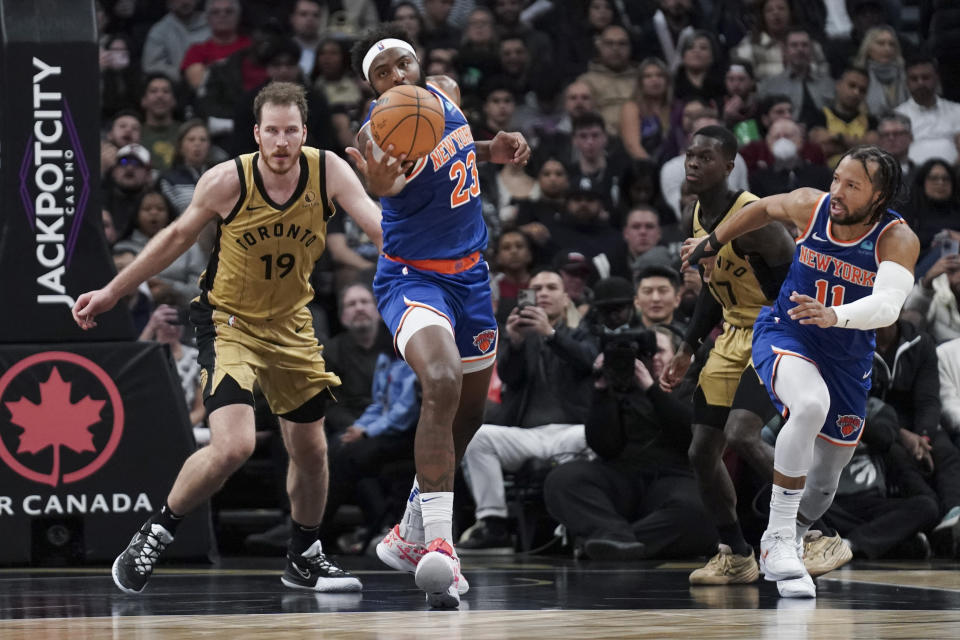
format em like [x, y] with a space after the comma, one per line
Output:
[784, 149]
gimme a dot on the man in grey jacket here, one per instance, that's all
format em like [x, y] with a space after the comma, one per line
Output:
[169, 39]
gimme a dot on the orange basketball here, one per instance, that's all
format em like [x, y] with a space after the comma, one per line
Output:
[410, 118]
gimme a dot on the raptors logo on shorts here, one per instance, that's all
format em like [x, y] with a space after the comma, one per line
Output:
[485, 340]
[849, 425]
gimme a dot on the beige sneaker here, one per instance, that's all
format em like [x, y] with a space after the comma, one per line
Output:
[822, 554]
[727, 568]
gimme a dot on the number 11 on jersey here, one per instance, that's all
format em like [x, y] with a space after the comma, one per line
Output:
[837, 290]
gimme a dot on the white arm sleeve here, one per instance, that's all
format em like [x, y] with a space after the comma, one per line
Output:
[882, 307]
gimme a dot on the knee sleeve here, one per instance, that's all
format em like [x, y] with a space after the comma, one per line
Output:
[829, 461]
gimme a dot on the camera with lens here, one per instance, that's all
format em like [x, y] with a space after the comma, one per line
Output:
[620, 349]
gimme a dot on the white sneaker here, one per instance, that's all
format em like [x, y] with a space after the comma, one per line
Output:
[397, 553]
[779, 556]
[802, 587]
[438, 573]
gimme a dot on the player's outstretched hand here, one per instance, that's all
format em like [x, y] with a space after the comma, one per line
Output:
[381, 174]
[809, 311]
[509, 147]
[91, 304]
[696, 249]
[674, 372]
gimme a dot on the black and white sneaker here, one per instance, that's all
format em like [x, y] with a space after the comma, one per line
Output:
[133, 567]
[313, 571]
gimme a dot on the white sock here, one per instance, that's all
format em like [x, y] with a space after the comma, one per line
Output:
[784, 505]
[437, 511]
[411, 525]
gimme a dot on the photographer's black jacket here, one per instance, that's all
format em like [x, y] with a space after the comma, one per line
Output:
[564, 361]
[641, 431]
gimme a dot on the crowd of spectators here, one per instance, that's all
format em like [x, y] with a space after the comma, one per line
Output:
[609, 94]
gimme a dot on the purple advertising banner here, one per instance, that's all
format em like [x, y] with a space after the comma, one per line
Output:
[52, 247]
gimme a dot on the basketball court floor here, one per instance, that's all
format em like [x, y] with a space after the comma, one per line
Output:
[522, 597]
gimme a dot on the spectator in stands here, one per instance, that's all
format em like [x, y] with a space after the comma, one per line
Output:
[127, 181]
[740, 104]
[125, 128]
[599, 164]
[407, 15]
[139, 302]
[765, 46]
[658, 296]
[577, 102]
[119, 80]
[698, 75]
[582, 24]
[512, 268]
[948, 360]
[640, 186]
[934, 201]
[545, 367]
[508, 23]
[935, 297]
[847, 120]
[154, 212]
[223, 16]
[516, 64]
[109, 230]
[169, 39]
[906, 376]
[333, 77]
[382, 435]
[478, 56]
[757, 154]
[645, 118]
[789, 169]
[669, 26]
[940, 31]
[612, 78]
[639, 499]
[438, 32]
[881, 56]
[535, 215]
[583, 225]
[190, 159]
[166, 326]
[865, 512]
[895, 135]
[577, 272]
[935, 121]
[347, 20]
[305, 25]
[159, 135]
[809, 90]
[639, 248]
[499, 104]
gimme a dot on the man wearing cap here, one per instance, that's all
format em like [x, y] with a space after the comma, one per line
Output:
[127, 181]
[545, 366]
[577, 273]
[582, 225]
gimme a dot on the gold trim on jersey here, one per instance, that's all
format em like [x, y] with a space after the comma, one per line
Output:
[733, 282]
[260, 266]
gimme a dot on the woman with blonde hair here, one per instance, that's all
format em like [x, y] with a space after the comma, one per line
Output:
[645, 119]
[881, 56]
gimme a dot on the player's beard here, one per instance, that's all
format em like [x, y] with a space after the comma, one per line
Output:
[857, 217]
[291, 155]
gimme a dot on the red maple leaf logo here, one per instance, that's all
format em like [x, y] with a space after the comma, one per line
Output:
[55, 421]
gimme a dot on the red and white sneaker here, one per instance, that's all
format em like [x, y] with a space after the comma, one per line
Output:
[438, 573]
[397, 553]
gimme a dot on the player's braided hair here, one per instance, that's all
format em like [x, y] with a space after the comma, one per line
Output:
[372, 37]
[887, 178]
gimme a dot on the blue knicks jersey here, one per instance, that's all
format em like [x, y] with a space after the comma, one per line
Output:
[835, 273]
[438, 215]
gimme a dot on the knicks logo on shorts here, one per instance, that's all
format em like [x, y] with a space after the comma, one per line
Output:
[485, 340]
[849, 425]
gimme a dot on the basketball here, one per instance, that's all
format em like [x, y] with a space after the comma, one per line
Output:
[410, 118]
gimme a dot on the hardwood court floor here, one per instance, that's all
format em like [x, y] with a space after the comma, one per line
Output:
[539, 597]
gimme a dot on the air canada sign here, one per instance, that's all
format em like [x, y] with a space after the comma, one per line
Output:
[61, 420]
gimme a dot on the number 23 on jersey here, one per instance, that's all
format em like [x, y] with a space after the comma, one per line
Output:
[462, 192]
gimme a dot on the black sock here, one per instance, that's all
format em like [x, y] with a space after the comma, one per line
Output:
[732, 536]
[302, 537]
[168, 519]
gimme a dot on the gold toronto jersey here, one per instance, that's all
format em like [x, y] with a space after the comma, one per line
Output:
[261, 262]
[733, 282]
